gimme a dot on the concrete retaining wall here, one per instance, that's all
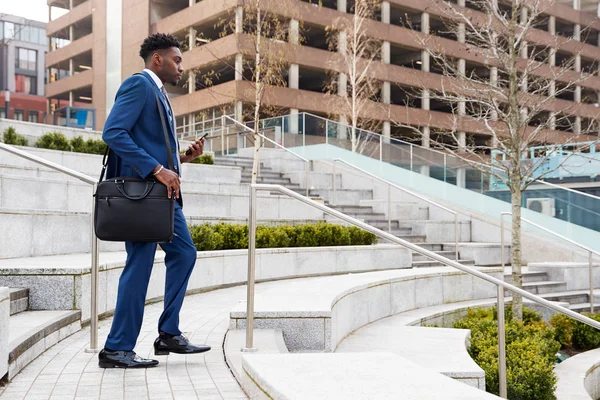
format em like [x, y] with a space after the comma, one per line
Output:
[62, 288]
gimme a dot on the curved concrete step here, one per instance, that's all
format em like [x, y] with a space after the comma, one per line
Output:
[19, 300]
[33, 332]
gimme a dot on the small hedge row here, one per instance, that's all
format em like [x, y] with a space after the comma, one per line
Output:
[10, 136]
[204, 159]
[58, 141]
[575, 336]
[530, 353]
[234, 236]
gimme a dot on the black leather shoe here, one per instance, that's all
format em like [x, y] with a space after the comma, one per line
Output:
[177, 344]
[123, 359]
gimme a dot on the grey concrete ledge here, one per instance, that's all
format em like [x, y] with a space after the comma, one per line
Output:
[69, 276]
[380, 376]
[316, 314]
[579, 377]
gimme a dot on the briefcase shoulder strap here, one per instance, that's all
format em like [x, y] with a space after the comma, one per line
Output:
[164, 128]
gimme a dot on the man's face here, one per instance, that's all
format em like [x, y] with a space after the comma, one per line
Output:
[171, 69]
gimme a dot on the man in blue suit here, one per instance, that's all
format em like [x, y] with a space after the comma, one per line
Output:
[134, 133]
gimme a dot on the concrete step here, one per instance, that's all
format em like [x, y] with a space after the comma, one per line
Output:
[33, 332]
[448, 254]
[19, 300]
[272, 181]
[383, 223]
[44, 232]
[572, 297]
[349, 197]
[409, 238]
[354, 209]
[264, 173]
[368, 218]
[528, 276]
[433, 263]
[543, 287]
[584, 307]
[234, 160]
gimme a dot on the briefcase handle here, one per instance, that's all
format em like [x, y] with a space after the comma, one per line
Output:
[121, 187]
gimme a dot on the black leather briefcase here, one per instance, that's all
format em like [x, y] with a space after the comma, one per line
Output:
[131, 209]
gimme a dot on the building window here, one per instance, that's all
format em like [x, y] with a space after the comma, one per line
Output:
[32, 116]
[26, 59]
[19, 115]
[2, 112]
[25, 84]
[9, 30]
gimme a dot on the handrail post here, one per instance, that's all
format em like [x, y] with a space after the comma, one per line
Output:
[411, 157]
[334, 184]
[456, 236]
[501, 344]
[94, 286]
[389, 201]
[307, 180]
[502, 241]
[326, 131]
[303, 129]
[591, 284]
[381, 148]
[251, 265]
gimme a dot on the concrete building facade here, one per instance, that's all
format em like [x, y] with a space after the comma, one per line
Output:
[104, 38]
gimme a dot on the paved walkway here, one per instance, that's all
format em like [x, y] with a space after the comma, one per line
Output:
[66, 371]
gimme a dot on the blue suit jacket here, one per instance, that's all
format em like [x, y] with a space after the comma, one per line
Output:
[134, 132]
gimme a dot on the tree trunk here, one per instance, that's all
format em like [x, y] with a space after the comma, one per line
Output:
[257, 94]
[517, 277]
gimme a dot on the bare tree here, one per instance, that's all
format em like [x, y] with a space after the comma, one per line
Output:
[267, 32]
[352, 71]
[511, 98]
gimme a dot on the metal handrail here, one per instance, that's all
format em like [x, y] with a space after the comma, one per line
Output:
[501, 285]
[566, 239]
[390, 185]
[307, 177]
[568, 189]
[94, 253]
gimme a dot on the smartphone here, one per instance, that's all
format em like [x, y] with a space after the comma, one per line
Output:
[188, 152]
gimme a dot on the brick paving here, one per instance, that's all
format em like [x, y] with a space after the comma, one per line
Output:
[66, 371]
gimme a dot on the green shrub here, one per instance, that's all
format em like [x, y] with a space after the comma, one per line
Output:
[231, 236]
[563, 329]
[584, 336]
[204, 159]
[91, 146]
[53, 141]
[11, 136]
[530, 353]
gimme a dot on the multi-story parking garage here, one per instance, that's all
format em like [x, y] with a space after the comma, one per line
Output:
[95, 46]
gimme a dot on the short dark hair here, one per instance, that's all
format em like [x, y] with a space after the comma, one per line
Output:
[158, 41]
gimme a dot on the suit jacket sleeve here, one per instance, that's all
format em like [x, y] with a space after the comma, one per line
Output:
[129, 103]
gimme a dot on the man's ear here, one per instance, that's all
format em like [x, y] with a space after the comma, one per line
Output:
[157, 59]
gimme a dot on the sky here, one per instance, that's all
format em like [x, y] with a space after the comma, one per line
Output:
[31, 9]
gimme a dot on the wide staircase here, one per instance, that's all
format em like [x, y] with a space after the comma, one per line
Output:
[534, 281]
[56, 222]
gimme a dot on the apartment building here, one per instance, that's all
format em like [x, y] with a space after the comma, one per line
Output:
[102, 39]
[23, 46]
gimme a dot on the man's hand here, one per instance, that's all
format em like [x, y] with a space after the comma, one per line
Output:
[196, 149]
[170, 179]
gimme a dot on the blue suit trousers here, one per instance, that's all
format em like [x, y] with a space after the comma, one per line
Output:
[180, 259]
